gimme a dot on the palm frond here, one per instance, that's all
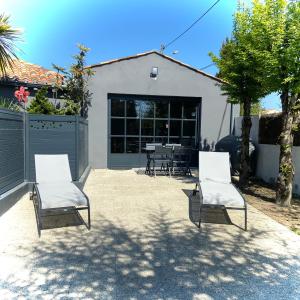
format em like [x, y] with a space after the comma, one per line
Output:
[8, 37]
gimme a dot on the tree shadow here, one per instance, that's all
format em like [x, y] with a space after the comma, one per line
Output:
[162, 258]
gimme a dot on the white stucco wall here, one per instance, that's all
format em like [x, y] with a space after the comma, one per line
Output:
[133, 77]
[268, 156]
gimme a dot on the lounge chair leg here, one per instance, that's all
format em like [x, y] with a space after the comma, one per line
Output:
[89, 218]
[245, 218]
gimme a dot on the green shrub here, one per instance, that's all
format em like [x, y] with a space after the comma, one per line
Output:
[69, 108]
[9, 104]
[41, 105]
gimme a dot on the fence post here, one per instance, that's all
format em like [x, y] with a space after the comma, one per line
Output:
[77, 147]
[26, 147]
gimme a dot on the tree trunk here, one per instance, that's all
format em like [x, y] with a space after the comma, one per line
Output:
[286, 168]
[245, 157]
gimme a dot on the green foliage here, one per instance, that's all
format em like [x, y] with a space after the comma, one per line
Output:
[41, 105]
[9, 104]
[278, 30]
[240, 64]
[76, 83]
[8, 37]
[256, 109]
[69, 108]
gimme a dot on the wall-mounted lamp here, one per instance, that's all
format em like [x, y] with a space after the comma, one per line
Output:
[154, 73]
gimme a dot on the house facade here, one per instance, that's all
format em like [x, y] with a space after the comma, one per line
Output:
[151, 97]
[31, 76]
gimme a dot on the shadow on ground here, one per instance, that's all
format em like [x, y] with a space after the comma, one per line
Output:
[165, 258]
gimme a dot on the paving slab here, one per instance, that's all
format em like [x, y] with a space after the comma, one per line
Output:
[144, 244]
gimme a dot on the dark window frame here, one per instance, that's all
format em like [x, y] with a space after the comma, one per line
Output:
[154, 99]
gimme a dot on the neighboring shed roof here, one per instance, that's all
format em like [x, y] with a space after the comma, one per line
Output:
[25, 72]
[160, 54]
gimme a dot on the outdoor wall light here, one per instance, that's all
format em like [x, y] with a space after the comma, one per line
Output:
[154, 73]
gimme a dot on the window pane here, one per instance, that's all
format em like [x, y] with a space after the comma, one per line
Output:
[117, 145]
[117, 108]
[163, 140]
[144, 141]
[188, 142]
[133, 127]
[117, 126]
[162, 109]
[147, 127]
[175, 128]
[161, 127]
[189, 110]
[189, 128]
[175, 141]
[132, 108]
[132, 145]
[147, 109]
[176, 109]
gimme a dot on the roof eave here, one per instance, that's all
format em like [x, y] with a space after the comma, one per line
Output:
[160, 54]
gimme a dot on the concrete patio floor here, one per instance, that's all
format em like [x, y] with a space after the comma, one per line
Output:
[143, 244]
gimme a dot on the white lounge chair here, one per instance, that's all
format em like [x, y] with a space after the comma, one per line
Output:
[215, 187]
[54, 189]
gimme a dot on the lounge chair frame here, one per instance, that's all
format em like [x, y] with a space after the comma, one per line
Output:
[198, 190]
[35, 196]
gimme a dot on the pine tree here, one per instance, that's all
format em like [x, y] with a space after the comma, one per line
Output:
[40, 104]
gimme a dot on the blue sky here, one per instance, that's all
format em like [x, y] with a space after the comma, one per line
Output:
[117, 28]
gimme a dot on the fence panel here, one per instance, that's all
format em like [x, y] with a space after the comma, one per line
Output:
[51, 135]
[82, 134]
[11, 149]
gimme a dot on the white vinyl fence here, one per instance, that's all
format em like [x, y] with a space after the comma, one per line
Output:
[268, 156]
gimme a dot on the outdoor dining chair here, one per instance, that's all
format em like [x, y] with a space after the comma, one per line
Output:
[150, 148]
[54, 189]
[181, 160]
[215, 187]
[162, 158]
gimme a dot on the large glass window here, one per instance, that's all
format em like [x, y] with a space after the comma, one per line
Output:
[117, 145]
[117, 127]
[135, 122]
[176, 110]
[189, 128]
[147, 109]
[117, 108]
[161, 127]
[133, 126]
[147, 127]
[132, 108]
[161, 109]
[189, 110]
[175, 128]
[132, 145]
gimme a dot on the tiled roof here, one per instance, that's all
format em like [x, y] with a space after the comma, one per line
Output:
[30, 73]
[160, 54]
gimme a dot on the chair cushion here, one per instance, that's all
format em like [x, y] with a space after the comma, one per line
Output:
[218, 193]
[58, 195]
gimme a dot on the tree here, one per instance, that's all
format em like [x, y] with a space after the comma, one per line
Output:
[288, 56]
[278, 28]
[76, 83]
[241, 67]
[40, 104]
[8, 37]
